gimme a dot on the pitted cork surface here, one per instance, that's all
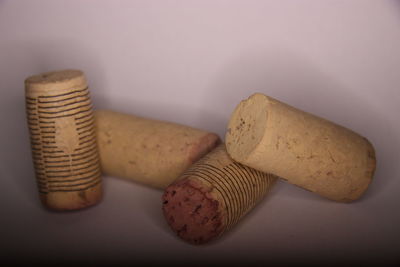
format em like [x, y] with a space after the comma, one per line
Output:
[63, 140]
[305, 150]
[212, 196]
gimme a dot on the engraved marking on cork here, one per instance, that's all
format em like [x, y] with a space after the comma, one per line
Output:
[239, 186]
[63, 141]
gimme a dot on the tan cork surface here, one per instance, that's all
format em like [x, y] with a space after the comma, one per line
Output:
[146, 151]
[212, 196]
[63, 140]
[308, 151]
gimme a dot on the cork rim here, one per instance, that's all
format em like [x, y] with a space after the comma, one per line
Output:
[247, 126]
[193, 214]
[55, 81]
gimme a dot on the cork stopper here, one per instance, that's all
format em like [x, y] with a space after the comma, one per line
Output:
[63, 140]
[212, 196]
[308, 151]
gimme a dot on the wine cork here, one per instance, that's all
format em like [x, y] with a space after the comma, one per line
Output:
[146, 151]
[308, 151]
[63, 140]
[212, 196]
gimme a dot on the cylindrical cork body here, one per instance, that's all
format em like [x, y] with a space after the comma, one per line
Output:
[63, 140]
[148, 151]
[308, 151]
[212, 195]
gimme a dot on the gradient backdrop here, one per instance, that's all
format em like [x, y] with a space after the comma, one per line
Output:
[191, 62]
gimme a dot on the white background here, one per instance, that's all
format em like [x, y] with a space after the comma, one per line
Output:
[191, 62]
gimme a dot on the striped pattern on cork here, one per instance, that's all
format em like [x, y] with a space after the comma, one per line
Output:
[240, 187]
[63, 141]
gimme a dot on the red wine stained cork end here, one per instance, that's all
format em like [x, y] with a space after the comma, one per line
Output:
[192, 212]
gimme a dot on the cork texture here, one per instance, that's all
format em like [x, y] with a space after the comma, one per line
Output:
[212, 196]
[150, 152]
[63, 140]
[308, 151]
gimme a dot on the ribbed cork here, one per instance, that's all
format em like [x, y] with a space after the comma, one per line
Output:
[63, 141]
[212, 196]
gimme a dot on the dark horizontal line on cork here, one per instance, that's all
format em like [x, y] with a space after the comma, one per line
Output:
[75, 101]
[94, 144]
[73, 175]
[93, 139]
[60, 95]
[91, 130]
[56, 161]
[77, 189]
[74, 181]
[55, 157]
[75, 157]
[85, 127]
[93, 148]
[87, 94]
[89, 133]
[44, 188]
[52, 152]
[48, 142]
[45, 122]
[69, 185]
[92, 156]
[83, 117]
[94, 163]
[65, 115]
[66, 110]
[69, 165]
[90, 119]
[48, 136]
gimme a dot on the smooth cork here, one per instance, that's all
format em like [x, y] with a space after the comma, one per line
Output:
[306, 150]
[212, 196]
[151, 152]
[63, 140]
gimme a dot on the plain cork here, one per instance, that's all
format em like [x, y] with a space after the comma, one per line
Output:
[306, 150]
[212, 196]
[63, 141]
[147, 151]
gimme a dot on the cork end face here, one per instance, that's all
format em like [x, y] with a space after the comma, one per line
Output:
[56, 81]
[247, 126]
[192, 213]
[369, 174]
